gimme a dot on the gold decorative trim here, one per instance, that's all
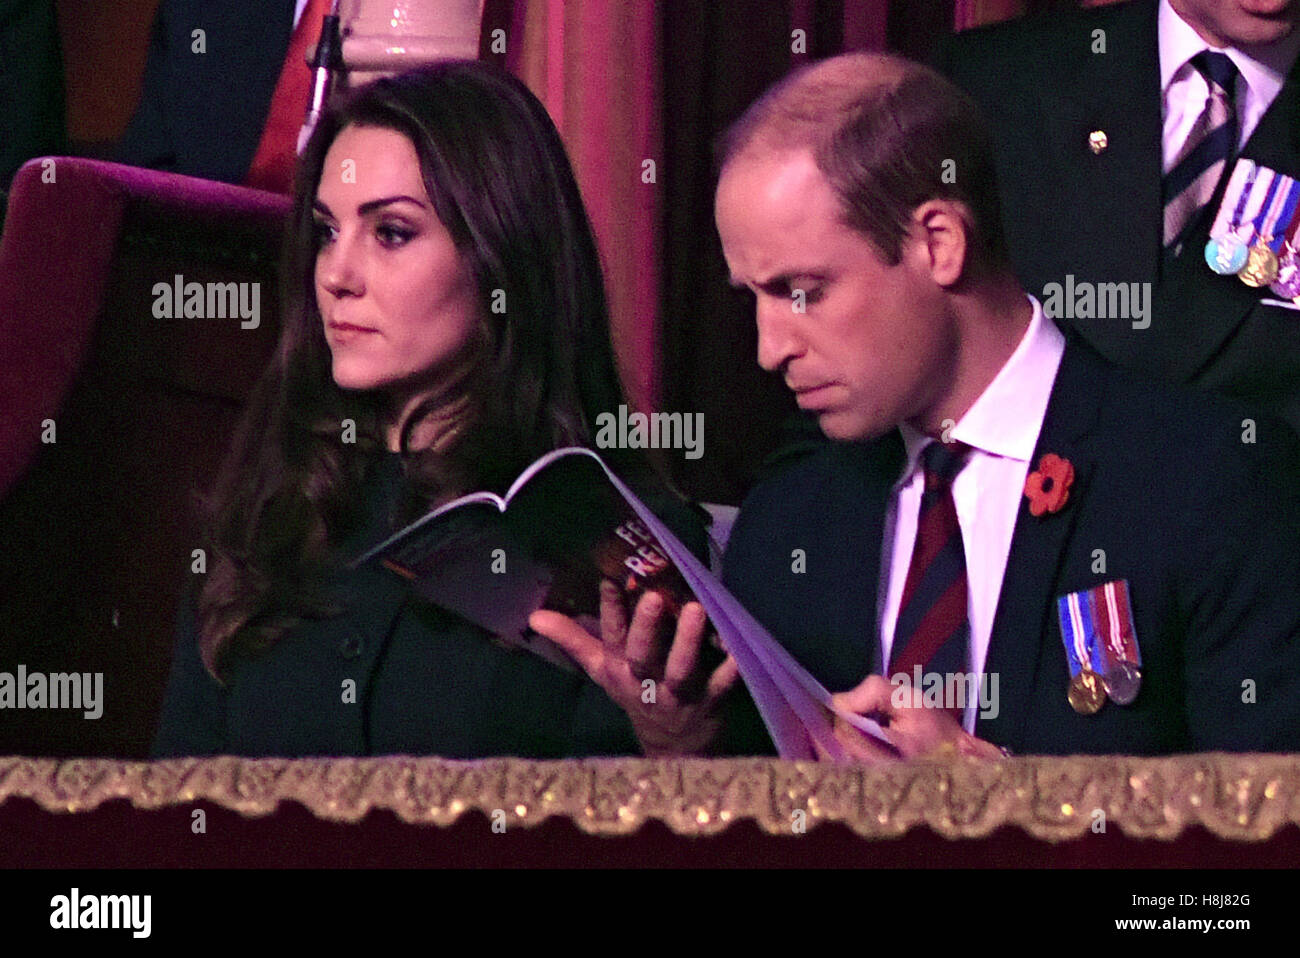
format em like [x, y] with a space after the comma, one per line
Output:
[1236, 797]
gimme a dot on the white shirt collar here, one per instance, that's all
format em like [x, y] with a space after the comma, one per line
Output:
[1008, 415]
[1263, 68]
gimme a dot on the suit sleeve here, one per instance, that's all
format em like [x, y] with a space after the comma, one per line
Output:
[1242, 665]
[194, 708]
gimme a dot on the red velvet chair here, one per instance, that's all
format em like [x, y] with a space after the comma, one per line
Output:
[97, 527]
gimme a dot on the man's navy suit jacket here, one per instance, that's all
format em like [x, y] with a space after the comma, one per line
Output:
[1204, 526]
[202, 113]
[1098, 216]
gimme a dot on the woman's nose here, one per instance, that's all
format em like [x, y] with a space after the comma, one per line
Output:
[337, 268]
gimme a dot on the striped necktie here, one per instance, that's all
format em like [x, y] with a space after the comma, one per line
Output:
[1191, 181]
[933, 630]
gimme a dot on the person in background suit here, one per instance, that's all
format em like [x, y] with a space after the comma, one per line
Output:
[994, 493]
[1091, 114]
[31, 86]
[202, 111]
[396, 388]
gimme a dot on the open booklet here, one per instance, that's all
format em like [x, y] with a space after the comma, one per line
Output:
[566, 523]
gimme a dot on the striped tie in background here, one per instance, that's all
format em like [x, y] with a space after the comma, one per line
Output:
[1190, 183]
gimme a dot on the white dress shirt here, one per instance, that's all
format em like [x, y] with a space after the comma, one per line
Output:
[298, 8]
[1184, 91]
[1002, 428]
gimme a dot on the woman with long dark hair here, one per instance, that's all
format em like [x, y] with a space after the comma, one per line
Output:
[445, 324]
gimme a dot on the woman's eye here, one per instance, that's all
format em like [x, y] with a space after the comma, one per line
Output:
[323, 233]
[393, 236]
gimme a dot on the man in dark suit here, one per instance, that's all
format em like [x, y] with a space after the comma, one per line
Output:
[31, 86]
[1091, 112]
[206, 94]
[984, 468]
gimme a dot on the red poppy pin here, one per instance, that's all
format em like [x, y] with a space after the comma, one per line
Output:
[1048, 487]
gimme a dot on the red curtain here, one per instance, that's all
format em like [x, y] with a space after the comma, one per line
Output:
[595, 64]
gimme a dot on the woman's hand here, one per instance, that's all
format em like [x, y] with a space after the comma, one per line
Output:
[667, 693]
[914, 729]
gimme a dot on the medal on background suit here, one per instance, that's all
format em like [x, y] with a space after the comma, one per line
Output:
[1287, 284]
[1230, 237]
[1100, 646]
[1262, 264]
[1227, 254]
[1249, 237]
[1257, 264]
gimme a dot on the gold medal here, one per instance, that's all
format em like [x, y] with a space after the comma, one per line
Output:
[1087, 694]
[1261, 266]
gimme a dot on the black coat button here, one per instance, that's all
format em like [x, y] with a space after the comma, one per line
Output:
[352, 645]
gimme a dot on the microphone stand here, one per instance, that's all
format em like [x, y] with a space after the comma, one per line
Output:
[325, 64]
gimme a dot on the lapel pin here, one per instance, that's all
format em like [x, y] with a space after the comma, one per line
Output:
[1048, 487]
[1098, 141]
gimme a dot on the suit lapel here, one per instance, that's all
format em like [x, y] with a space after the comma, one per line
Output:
[1196, 311]
[863, 490]
[1276, 141]
[886, 470]
[1116, 92]
[1039, 544]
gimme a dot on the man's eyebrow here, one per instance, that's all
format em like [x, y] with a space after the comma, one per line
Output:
[372, 205]
[786, 278]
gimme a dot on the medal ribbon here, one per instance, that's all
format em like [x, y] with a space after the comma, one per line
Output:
[1068, 632]
[1265, 208]
[1246, 170]
[1119, 614]
[1077, 648]
[1284, 216]
[1091, 637]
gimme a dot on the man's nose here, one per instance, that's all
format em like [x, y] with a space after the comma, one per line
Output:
[777, 341]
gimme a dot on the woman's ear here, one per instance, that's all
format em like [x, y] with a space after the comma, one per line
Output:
[941, 230]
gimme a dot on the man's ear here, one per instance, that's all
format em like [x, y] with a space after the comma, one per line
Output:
[941, 232]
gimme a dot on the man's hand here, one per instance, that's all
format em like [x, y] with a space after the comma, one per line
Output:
[672, 702]
[913, 729]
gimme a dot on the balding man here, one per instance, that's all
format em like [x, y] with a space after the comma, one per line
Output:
[1009, 542]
